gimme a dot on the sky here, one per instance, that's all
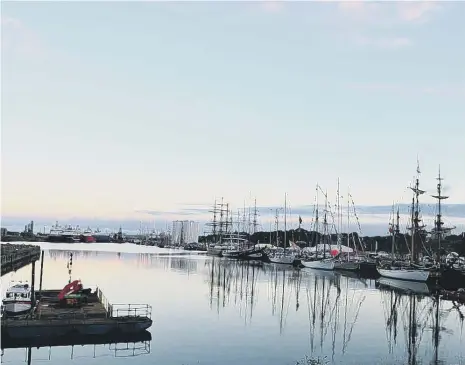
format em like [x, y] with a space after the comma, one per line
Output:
[111, 110]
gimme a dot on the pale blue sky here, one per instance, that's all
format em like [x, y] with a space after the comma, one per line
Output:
[110, 108]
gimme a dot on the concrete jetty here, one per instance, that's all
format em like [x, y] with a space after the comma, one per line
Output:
[15, 257]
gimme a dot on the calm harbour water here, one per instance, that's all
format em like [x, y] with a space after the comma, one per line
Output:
[214, 311]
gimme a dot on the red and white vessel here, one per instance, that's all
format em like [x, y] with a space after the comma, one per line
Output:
[87, 236]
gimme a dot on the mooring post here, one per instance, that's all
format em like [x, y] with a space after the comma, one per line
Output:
[33, 279]
[41, 272]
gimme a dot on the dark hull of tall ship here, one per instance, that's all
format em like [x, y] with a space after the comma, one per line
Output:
[368, 269]
[452, 278]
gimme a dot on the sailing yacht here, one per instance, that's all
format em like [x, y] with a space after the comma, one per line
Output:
[283, 256]
[347, 261]
[320, 263]
[412, 271]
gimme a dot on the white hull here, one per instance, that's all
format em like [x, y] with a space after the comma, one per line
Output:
[14, 308]
[405, 274]
[319, 264]
[285, 260]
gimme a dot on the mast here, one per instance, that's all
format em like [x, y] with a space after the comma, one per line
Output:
[285, 226]
[339, 218]
[277, 228]
[393, 234]
[416, 228]
[325, 223]
[348, 221]
[255, 217]
[438, 223]
[220, 224]
[317, 226]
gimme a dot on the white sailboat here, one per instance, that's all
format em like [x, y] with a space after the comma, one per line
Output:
[323, 263]
[283, 257]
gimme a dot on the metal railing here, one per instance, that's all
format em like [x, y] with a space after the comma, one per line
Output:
[130, 310]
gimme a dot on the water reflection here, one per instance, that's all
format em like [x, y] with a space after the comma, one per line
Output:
[334, 304]
[412, 309]
[270, 314]
[234, 278]
[40, 349]
[173, 261]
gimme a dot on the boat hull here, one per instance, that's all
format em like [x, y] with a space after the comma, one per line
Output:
[347, 265]
[405, 274]
[319, 264]
[16, 308]
[283, 260]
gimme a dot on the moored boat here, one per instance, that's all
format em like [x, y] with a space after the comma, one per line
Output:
[17, 299]
[402, 273]
[411, 270]
[323, 264]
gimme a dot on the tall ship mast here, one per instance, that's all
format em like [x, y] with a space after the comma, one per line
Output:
[412, 271]
[439, 231]
[417, 229]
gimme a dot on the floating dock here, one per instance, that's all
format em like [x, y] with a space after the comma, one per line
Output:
[97, 317]
[15, 257]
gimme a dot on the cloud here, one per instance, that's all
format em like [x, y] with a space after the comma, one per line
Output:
[361, 19]
[420, 11]
[383, 42]
[181, 212]
[444, 90]
[18, 39]
[272, 6]
[388, 13]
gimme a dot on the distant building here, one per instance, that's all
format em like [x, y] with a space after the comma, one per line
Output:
[4, 232]
[184, 232]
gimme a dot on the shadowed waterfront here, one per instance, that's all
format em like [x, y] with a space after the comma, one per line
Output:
[208, 310]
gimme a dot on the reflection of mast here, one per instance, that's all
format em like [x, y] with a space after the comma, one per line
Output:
[281, 316]
[412, 331]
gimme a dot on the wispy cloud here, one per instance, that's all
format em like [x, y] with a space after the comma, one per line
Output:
[18, 39]
[272, 6]
[389, 20]
[388, 13]
[420, 11]
[383, 42]
[442, 90]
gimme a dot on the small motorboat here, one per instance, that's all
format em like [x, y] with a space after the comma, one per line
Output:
[17, 299]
